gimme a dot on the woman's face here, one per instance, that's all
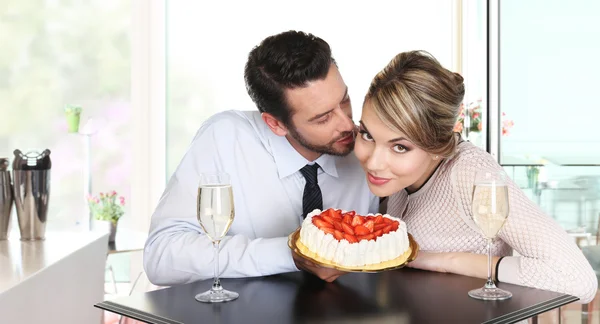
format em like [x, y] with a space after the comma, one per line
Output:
[390, 160]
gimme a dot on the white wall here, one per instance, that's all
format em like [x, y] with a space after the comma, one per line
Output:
[208, 44]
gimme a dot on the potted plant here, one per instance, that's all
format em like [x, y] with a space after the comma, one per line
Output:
[470, 122]
[73, 115]
[108, 208]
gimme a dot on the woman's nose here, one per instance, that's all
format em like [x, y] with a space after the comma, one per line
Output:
[376, 161]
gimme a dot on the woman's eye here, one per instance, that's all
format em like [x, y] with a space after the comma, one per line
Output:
[399, 148]
[366, 136]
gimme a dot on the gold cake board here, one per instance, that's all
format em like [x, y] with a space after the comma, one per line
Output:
[399, 262]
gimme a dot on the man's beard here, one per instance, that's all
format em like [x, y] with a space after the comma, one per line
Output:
[323, 149]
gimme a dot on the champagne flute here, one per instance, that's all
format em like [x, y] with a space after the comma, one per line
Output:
[215, 212]
[490, 210]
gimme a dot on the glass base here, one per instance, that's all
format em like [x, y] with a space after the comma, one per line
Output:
[217, 296]
[490, 294]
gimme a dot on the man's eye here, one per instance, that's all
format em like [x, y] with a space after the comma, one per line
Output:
[323, 119]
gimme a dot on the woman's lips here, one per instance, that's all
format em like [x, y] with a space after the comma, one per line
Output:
[376, 180]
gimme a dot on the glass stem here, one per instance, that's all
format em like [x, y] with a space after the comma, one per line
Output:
[490, 283]
[217, 284]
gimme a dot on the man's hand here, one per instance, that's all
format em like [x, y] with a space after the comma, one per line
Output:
[327, 274]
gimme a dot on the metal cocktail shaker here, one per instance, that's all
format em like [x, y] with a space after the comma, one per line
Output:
[6, 199]
[31, 177]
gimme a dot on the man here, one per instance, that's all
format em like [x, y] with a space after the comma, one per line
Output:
[284, 161]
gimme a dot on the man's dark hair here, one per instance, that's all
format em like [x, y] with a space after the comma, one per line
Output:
[284, 61]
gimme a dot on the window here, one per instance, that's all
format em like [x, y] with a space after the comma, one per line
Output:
[56, 53]
[548, 85]
[472, 123]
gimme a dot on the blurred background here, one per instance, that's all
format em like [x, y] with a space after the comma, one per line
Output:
[148, 74]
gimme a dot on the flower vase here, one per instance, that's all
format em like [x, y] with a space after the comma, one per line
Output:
[73, 116]
[106, 227]
[113, 232]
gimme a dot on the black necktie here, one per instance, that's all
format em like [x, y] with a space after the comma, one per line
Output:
[311, 199]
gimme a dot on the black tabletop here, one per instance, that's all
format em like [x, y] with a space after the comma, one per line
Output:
[401, 296]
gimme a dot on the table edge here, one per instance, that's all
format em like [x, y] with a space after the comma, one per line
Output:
[133, 313]
[533, 310]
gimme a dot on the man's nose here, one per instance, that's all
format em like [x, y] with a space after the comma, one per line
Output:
[346, 123]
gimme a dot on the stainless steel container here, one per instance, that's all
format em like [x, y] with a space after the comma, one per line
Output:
[31, 187]
[6, 199]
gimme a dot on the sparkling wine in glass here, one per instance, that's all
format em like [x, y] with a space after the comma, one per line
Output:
[215, 211]
[490, 210]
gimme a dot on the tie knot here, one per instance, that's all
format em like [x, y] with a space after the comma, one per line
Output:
[310, 173]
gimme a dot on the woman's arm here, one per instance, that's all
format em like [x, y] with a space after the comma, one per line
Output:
[462, 263]
[548, 258]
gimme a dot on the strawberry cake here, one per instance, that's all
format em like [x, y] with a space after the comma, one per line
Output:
[353, 241]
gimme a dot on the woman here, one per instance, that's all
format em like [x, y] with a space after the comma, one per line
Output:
[409, 152]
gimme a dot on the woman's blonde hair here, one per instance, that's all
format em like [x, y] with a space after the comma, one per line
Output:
[414, 94]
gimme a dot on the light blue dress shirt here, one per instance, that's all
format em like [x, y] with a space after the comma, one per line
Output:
[267, 189]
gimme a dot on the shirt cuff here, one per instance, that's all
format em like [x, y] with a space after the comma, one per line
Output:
[276, 256]
[508, 271]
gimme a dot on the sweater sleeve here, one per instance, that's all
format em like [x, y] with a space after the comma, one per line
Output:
[549, 259]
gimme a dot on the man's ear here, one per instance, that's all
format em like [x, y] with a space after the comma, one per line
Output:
[274, 124]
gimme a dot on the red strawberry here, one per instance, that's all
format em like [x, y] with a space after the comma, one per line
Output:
[370, 224]
[351, 213]
[379, 226]
[328, 219]
[387, 220]
[378, 233]
[356, 220]
[366, 237]
[395, 225]
[347, 219]
[361, 230]
[347, 228]
[328, 230]
[378, 219]
[387, 229]
[337, 224]
[338, 235]
[315, 219]
[335, 214]
[320, 223]
[350, 238]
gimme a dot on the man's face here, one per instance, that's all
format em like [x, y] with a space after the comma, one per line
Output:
[321, 121]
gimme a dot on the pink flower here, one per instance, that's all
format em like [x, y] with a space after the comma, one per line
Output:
[113, 193]
[122, 200]
[458, 127]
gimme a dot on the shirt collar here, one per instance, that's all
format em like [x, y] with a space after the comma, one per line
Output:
[289, 161]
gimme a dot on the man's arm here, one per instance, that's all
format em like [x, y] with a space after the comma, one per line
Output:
[177, 251]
